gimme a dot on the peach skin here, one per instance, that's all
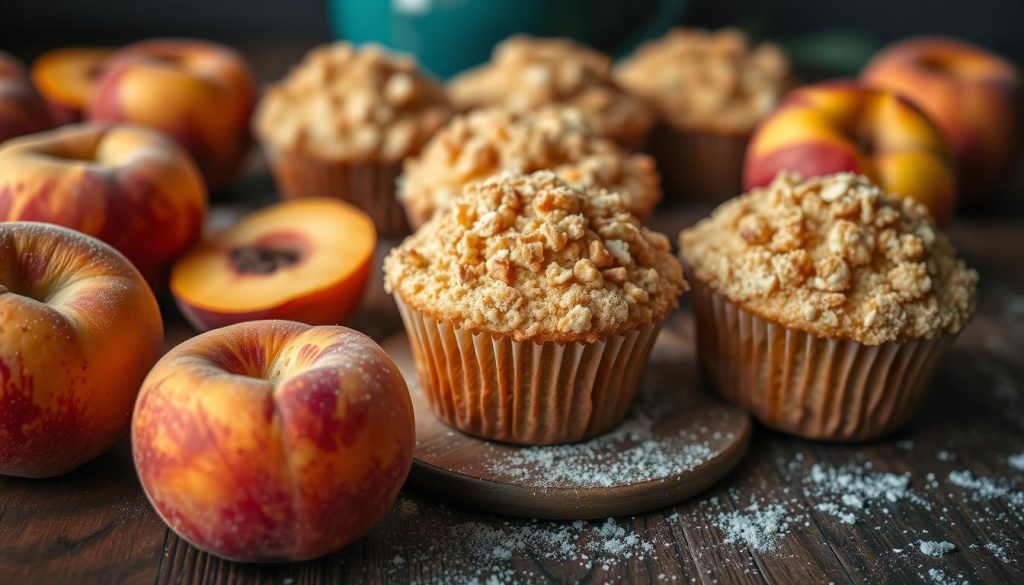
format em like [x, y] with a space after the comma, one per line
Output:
[22, 109]
[198, 92]
[273, 440]
[79, 329]
[129, 186]
[841, 126]
[974, 96]
[66, 78]
[304, 260]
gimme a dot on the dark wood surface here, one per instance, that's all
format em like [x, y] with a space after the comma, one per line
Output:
[94, 525]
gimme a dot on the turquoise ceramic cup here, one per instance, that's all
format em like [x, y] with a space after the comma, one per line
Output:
[448, 36]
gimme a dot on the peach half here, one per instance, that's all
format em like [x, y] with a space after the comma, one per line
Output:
[129, 186]
[304, 260]
[273, 440]
[79, 330]
[66, 78]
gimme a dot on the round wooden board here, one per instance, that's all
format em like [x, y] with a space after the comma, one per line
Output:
[676, 442]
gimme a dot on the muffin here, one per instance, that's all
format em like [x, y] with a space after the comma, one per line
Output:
[486, 142]
[531, 307]
[710, 90]
[525, 73]
[823, 306]
[341, 123]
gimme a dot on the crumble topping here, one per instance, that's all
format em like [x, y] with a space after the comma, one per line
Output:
[343, 102]
[834, 256]
[486, 142]
[530, 257]
[696, 77]
[526, 73]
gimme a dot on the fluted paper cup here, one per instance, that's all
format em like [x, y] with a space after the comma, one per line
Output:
[698, 165]
[816, 388]
[369, 186]
[529, 393]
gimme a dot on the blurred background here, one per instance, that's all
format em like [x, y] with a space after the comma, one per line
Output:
[824, 36]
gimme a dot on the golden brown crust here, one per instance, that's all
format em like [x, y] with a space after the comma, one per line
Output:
[529, 257]
[346, 103]
[713, 81]
[486, 142]
[836, 257]
[525, 73]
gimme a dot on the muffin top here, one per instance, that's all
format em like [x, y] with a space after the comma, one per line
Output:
[525, 73]
[702, 79]
[528, 256]
[344, 103]
[834, 256]
[486, 142]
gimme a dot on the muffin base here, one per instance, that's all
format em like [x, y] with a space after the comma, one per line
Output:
[526, 393]
[699, 165]
[369, 186]
[816, 388]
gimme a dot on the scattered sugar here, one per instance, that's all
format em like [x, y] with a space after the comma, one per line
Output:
[760, 527]
[846, 492]
[632, 453]
[946, 456]
[984, 488]
[997, 551]
[939, 577]
[1016, 461]
[934, 548]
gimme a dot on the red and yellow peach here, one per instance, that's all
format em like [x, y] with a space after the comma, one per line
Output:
[22, 109]
[273, 440]
[79, 329]
[843, 126]
[66, 78]
[974, 96]
[303, 260]
[198, 92]
[129, 186]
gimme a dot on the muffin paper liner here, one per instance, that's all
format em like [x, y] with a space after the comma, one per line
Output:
[817, 388]
[527, 393]
[698, 165]
[367, 185]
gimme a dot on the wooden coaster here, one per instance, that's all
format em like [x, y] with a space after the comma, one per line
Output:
[677, 441]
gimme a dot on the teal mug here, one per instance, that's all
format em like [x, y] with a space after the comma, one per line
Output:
[448, 36]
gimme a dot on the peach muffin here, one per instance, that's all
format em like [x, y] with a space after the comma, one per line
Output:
[824, 305]
[486, 142]
[531, 307]
[341, 122]
[710, 90]
[525, 73]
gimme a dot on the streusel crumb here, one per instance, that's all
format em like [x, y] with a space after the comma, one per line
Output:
[530, 257]
[486, 142]
[697, 78]
[345, 103]
[525, 73]
[834, 256]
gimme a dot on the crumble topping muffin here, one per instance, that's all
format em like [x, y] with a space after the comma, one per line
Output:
[483, 143]
[710, 90]
[526, 73]
[698, 78]
[531, 307]
[824, 305]
[340, 123]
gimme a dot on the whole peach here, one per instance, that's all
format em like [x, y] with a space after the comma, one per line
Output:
[842, 126]
[199, 92]
[129, 186]
[974, 96]
[79, 329]
[273, 440]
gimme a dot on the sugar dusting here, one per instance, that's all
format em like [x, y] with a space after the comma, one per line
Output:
[847, 493]
[983, 488]
[934, 548]
[759, 527]
[1016, 461]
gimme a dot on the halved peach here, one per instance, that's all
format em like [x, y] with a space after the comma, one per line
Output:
[304, 260]
[66, 78]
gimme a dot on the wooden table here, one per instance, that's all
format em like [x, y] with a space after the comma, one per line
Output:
[95, 525]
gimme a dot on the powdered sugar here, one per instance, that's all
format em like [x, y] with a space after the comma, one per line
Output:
[759, 527]
[845, 493]
[1016, 461]
[934, 548]
[985, 488]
